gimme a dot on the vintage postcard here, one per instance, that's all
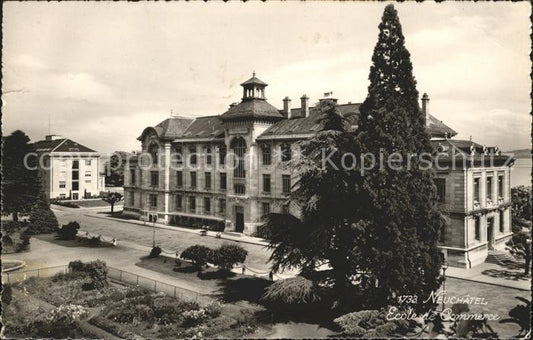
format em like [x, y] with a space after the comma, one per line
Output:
[266, 170]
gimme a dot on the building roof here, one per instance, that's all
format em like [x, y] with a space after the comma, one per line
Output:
[254, 80]
[436, 128]
[254, 108]
[60, 145]
[169, 129]
[307, 125]
[205, 127]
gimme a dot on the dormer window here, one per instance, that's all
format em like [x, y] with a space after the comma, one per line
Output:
[154, 153]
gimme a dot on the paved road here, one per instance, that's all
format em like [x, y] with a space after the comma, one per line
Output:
[171, 240]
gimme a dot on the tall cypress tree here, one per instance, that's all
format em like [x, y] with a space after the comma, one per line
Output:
[21, 184]
[399, 203]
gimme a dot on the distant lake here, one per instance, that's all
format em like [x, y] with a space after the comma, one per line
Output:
[521, 172]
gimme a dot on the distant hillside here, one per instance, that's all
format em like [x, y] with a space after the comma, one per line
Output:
[521, 153]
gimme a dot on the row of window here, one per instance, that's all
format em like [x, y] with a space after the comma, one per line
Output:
[75, 164]
[488, 191]
[441, 188]
[191, 201]
[239, 188]
[238, 146]
[63, 184]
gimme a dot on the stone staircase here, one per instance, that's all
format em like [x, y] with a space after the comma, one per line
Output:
[499, 257]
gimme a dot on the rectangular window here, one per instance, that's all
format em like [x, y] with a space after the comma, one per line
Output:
[154, 178]
[88, 174]
[153, 201]
[208, 155]
[75, 185]
[266, 208]
[476, 189]
[62, 184]
[192, 204]
[192, 156]
[441, 189]
[132, 199]
[207, 205]
[266, 183]
[75, 175]
[286, 184]
[179, 155]
[63, 195]
[223, 181]
[267, 154]
[208, 180]
[477, 232]
[222, 206]
[132, 176]
[179, 178]
[87, 162]
[240, 189]
[88, 181]
[500, 186]
[75, 164]
[489, 188]
[285, 152]
[179, 202]
[222, 155]
[502, 221]
[193, 179]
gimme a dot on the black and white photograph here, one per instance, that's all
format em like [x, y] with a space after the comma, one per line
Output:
[266, 169]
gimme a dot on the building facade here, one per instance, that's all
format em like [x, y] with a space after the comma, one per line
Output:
[68, 169]
[187, 173]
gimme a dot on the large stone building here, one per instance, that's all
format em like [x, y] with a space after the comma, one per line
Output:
[186, 178]
[68, 169]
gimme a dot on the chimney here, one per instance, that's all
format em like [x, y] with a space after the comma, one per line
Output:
[425, 107]
[305, 106]
[232, 105]
[287, 107]
[53, 137]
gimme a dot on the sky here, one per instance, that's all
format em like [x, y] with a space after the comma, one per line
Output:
[99, 73]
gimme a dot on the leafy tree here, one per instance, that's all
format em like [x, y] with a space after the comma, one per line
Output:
[521, 206]
[68, 231]
[399, 201]
[112, 198]
[227, 256]
[198, 254]
[42, 218]
[520, 246]
[20, 184]
[155, 252]
[114, 168]
[327, 228]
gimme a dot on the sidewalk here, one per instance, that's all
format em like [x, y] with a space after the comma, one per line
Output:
[492, 274]
[223, 235]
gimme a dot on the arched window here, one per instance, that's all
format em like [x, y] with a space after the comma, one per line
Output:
[153, 150]
[238, 146]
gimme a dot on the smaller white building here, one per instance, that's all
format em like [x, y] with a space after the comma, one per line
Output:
[68, 169]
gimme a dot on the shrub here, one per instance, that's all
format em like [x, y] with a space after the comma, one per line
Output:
[7, 294]
[155, 252]
[198, 254]
[68, 231]
[42, 219]
[194, 317]
[370, 324]
[213, 309]
[227, 256]
[97, 271]
[94, 241]
[24, 242]
[295, 290]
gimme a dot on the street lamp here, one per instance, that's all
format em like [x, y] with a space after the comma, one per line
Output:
[444, 267]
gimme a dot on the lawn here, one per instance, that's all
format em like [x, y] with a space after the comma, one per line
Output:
[78, 242]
